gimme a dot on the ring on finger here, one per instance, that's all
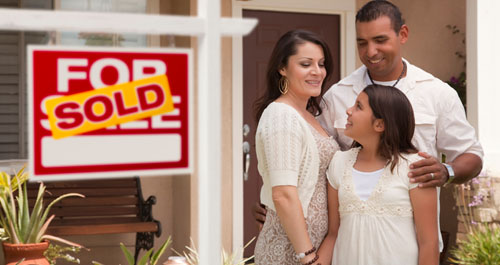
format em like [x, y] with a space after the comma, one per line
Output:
[432, 175]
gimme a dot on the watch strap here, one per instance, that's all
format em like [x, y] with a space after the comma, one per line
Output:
[451, 173]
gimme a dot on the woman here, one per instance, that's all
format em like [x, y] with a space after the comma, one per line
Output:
[293, 152]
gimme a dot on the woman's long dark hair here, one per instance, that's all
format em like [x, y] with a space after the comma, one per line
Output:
[393, 107]
[286, 47]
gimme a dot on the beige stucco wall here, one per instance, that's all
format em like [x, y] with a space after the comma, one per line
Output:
[431, 46]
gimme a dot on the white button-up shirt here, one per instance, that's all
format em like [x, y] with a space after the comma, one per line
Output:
[441, 125]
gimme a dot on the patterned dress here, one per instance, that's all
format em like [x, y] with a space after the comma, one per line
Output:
[273, 246]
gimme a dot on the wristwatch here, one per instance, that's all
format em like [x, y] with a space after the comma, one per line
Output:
[451, 173]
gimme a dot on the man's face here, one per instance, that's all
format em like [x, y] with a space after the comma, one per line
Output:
[379, 48]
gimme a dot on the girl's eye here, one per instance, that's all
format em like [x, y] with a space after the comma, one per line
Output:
[305, 64]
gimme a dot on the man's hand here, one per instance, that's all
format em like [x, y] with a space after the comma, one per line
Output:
[259, 212]
[429, 172]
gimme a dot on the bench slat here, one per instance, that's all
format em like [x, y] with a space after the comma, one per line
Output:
[101, 183]
[93, 211]
[81, 220]
[88, 192]
[90, 201]
[103, 229]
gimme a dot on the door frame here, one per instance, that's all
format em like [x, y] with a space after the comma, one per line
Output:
[347, 12]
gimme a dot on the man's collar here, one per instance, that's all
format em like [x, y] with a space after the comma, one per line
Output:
[413, 75]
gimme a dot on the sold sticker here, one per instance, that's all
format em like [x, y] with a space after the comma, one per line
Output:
[92, 110]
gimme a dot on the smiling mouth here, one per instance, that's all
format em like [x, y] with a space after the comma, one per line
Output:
[315, 83]
[374, 61]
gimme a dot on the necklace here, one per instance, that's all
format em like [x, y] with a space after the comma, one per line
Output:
[397, 81]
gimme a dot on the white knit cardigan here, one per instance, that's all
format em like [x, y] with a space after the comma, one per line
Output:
[286, 153]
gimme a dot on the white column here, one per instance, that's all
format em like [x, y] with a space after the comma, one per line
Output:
[209, 138]
[483, 85]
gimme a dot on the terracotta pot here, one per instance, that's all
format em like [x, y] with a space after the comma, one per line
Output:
[32, 253]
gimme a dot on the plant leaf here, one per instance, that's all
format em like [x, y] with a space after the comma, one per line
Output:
[35, 220]
[42, 229]
[145, 258]
[127, 254]
[58, 239]
[24, 213]
[161, 250]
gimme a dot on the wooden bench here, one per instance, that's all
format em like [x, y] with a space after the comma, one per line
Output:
[110, 206]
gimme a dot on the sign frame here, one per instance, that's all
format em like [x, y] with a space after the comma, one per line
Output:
[117, 173]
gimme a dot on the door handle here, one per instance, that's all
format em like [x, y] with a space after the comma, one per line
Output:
[246, 153]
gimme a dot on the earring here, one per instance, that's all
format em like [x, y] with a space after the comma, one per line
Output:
[283, 85]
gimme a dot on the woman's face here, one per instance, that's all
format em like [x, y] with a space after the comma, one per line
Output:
[305, 71]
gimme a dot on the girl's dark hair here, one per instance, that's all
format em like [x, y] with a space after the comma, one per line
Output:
[284, 48]
[393, 107]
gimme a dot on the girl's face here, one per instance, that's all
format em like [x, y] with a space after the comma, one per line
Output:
[360, 120]
[305, 71]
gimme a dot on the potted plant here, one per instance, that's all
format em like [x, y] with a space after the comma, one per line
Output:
[24, 232]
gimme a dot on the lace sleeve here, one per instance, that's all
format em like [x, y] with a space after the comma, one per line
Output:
[282, 144]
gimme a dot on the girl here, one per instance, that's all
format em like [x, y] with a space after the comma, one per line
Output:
[293, 152]
[376, 215]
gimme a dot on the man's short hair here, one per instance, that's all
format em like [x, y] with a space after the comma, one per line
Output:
[377, 8]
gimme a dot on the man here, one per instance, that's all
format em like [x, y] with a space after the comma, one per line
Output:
[441, 125]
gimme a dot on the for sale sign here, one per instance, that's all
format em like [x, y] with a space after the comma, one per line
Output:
[102, 112]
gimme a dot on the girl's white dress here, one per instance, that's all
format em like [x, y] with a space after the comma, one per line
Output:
[381, 229]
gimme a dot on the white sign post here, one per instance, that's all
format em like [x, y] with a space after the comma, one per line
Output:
[208, 27]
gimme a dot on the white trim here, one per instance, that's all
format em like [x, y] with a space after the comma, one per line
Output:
[110, 22]
[346, 10]
[209, 133]
[472, 62]
[237, 122]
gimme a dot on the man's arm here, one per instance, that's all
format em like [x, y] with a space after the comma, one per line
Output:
[466, 166]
